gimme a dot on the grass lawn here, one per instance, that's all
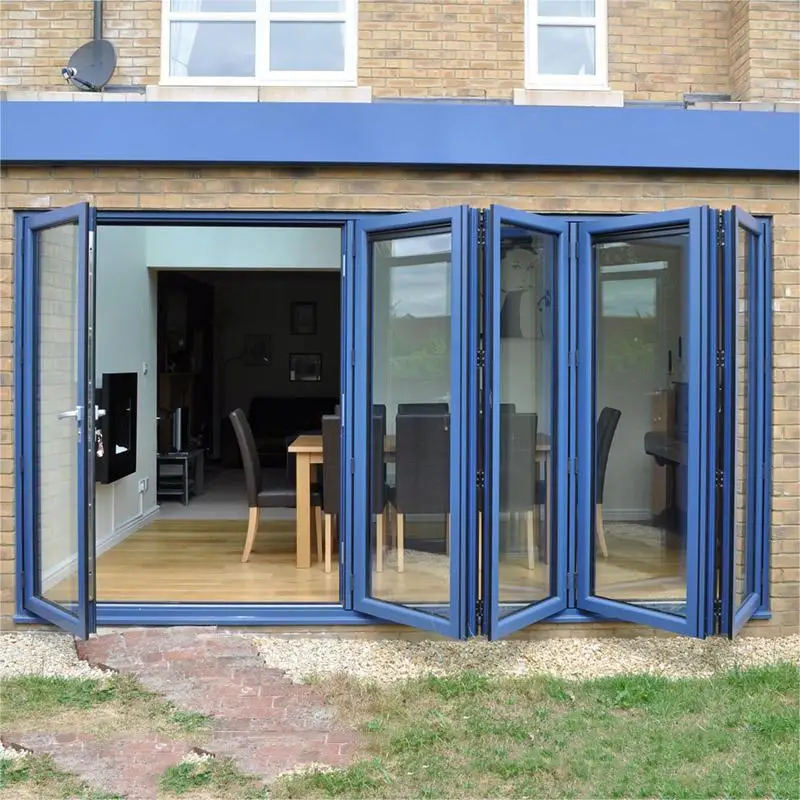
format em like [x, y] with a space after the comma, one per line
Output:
[102, 707]
[735, 735]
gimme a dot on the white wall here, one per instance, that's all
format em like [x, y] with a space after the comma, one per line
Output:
[170, 247]
[126, 341]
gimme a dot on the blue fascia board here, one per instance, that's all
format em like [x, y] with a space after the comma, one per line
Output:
[397, 134]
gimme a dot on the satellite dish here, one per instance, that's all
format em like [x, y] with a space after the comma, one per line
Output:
[91, 65]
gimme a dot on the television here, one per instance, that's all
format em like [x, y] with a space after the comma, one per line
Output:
[115, 431]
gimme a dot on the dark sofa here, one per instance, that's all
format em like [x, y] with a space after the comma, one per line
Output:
[276, 420]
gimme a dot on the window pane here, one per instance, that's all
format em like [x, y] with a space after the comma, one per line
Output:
[58, 460]
[527, 273]
[641, 446]
[308, 6]
[566, 50]
[212, 49]
[566, 8]
[743, 558]
[229, 6]
[306, 46]
[410, 439]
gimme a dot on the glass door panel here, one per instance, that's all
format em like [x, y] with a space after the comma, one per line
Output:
[641, 449]
[410, 387]
[58, 434]
[744, 251]
[526, 438]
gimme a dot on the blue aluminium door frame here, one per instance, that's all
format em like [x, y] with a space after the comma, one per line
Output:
[455, 220]
[79, 619]
[736, 612]
[497, 623]
[695, 222]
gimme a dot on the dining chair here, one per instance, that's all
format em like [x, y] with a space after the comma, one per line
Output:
[283, 494]
[519, 485]
[422, 471]
[606, 428]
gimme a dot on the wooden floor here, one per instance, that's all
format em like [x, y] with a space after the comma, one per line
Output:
[199, 561]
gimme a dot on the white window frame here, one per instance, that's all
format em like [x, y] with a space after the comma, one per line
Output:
[533, 80]
[262, 17]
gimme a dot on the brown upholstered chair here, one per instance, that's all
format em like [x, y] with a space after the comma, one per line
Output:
[282, 494]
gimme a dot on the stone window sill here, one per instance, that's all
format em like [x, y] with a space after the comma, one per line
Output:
[568, 97]
[261, 94]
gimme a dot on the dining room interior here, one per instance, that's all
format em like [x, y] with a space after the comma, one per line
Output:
[227, 342]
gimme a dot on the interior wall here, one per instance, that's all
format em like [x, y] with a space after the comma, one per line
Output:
[126, 342]
[260, 304]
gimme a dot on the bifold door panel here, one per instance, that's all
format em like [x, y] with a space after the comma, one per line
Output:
[58, 425]
[525, 396]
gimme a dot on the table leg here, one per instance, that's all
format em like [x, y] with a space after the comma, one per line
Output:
[303, 511]
[199, 473]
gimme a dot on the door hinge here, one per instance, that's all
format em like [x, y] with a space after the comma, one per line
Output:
[719, 478]
[720, 231]
[720, 359]
[479, 612]
[717, 609]
[480, 479]
[352, 466]
[573, 248]
[572, 579]
[353, 357]
[481, 228]
[481, 359]
[573, 466]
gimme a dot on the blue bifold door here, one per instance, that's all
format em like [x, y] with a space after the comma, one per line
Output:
[645, 402]
[56, 417]
[526, 414]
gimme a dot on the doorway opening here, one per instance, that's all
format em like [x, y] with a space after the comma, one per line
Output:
[206, 321]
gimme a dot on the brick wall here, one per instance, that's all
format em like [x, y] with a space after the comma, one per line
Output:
[658, 49]
[394, 190]
[774, 27]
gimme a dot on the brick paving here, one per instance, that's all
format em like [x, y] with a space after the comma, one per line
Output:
[263, 721]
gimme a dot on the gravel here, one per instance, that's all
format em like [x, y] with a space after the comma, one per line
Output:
[46, 654]
[385, 661]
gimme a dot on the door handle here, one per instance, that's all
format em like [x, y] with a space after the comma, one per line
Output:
[74, 414]
[98, 413]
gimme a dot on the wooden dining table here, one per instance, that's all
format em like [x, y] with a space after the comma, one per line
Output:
[307, 450]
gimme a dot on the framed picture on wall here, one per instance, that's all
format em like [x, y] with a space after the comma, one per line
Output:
[305, 367]
[303, 318]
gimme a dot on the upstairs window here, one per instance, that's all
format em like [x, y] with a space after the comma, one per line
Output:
[261, 42]
[566, 44]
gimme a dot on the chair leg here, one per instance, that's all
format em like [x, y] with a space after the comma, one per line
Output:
[380, 523]
[401, 540]
[252, 529]
[530, 518]
[598, 527]
[328, 543]
[318, 526]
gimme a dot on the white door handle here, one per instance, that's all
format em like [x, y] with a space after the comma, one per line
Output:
[98, 412]
[74, 414]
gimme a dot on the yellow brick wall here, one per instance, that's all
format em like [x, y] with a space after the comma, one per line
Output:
[774, 27]
[658, 49]
[661, 49]
[396, 190]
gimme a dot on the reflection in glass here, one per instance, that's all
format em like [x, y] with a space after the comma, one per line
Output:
[306, 46]
[409, 473]
[57, 427]
[565, 8]
[742, 564]
[641, 430]
[308, 6]
[566, 50]
[527, 273]
[212, 49]
[205, 6]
